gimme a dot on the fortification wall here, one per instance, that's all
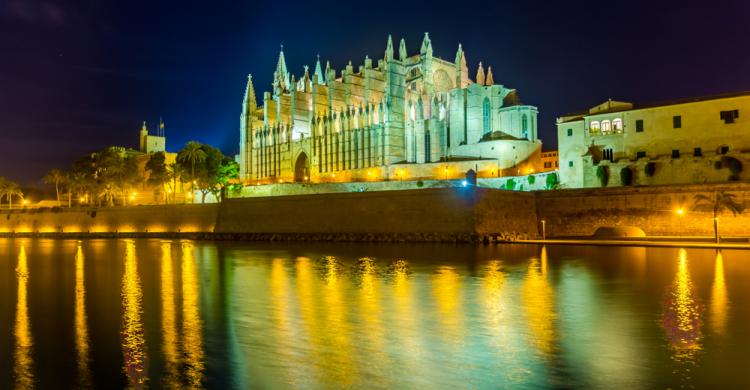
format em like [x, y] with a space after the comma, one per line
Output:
[427, 214]
[152, 219]
[654, 209]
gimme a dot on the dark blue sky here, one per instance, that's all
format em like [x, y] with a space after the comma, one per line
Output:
[76, 76]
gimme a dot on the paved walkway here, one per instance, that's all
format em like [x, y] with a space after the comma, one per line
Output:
[652, 243]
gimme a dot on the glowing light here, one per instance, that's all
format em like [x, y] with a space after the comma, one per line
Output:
[23, 369]
[464, 183]
[680, 211]
[25, 202]
[81, 199]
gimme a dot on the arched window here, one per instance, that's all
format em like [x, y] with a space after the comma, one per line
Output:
[525, 126]
[594, 127]
[617, 125]
[412, 111]
[606, 126]
[486, 116]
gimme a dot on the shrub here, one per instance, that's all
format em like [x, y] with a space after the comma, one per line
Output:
[420, 184]
[551, 181]
[650, 169]
[734, 165]
[626, 176]
[602, 173]
[510, 184]
[532, 179]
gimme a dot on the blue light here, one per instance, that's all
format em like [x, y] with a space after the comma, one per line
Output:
[464, 183]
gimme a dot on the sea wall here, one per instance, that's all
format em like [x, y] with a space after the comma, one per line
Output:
[145, 219]
[439, 214]
[426, 214]
[652, 208]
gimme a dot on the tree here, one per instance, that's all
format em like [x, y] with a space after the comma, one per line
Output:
[9, 189]
[719, 202]
[602, 173]
[175, 171]
[193, 153]
[158, 174]
[551, 181]
[55, 177]
[77, 183]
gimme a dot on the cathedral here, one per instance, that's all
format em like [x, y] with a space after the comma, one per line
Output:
[401, 117]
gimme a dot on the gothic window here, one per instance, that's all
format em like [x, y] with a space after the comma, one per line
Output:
[606, 126]
[525, 126]
[427, 146]
[412, 111]
[594, 127]
[486, 116]
[617, 125]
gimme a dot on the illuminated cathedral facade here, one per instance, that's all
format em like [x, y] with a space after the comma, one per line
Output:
[404, 116]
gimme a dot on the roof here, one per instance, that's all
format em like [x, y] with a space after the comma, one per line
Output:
[579, 115]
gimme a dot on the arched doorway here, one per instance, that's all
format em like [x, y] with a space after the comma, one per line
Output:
[302, 168]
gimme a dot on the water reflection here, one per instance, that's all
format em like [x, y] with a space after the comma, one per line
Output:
[719, 300]
[367, 277]
[81, 323]
[446, 289]
[133, 341]
[682, 315]
[337, 335]
[23, 370]
[168, 317]
[538, 303]
[192, 326]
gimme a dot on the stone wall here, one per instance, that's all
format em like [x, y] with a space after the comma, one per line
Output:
[654, 209]
[154, 219]
[428, 214]
[444, 214]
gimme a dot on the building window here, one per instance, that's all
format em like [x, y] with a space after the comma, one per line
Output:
[617, 125]
[639, 126]
[547, 164]
[729, 116]
[525, 126]
[606, 127]
[639, 155]
[697, 152]
[676, 153]
[724, 149]
[570, 164]
[570, 132]
[677, 121]
[594, 127]
[608, 154]
[486, 120]
[556, 164]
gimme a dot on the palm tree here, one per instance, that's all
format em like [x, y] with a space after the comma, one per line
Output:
[192, 153]
[11, 189]
[174, 172]
[719, 202]
[55, 177]
[77, 182]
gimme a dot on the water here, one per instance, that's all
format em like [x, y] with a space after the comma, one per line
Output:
[121, 313]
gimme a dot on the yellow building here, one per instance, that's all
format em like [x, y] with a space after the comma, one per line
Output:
[696, 140]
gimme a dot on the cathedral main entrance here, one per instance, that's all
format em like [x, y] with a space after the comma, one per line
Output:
[302, 168]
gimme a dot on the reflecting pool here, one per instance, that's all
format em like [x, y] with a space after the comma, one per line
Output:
[187, 314]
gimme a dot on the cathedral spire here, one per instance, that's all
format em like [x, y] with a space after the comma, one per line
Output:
[402, 50]
[480, 74]
[460, 60]
[489, 80]
[249, 104]
[319, 72]
[281, 74]
[426, 45]
[389, 49]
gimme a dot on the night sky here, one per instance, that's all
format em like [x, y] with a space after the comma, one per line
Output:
[76, 76]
